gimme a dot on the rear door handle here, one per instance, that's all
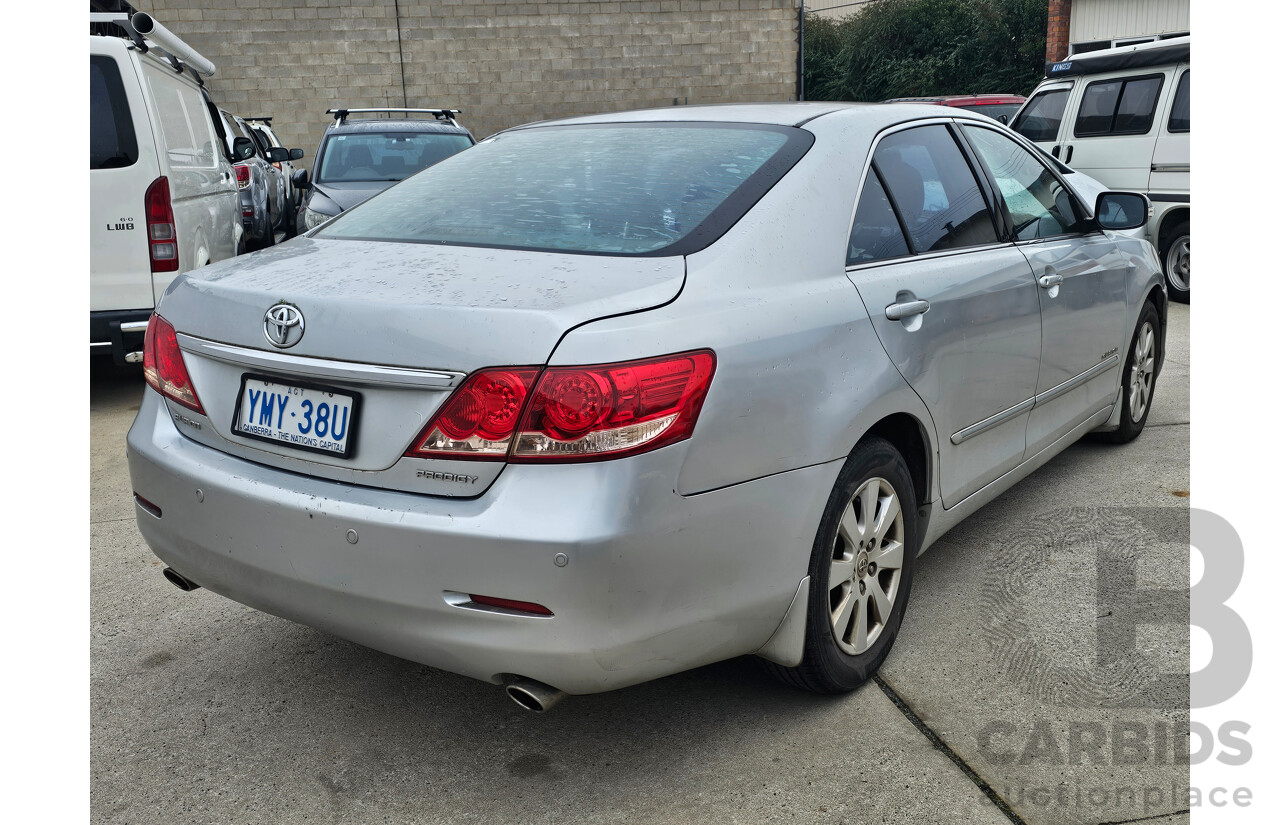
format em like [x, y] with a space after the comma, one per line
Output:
[1049, 281]
[906, 309]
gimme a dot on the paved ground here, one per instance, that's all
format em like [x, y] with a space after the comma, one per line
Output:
[1025, 685]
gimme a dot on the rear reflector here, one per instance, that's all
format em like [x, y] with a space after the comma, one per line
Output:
[163, 367]
[511, 604]
[161, 232]
[572, 414]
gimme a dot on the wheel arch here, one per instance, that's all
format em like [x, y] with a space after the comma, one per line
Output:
[1168, 222]
[909, 436]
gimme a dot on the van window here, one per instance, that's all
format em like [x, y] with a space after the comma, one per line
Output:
[1042, 115]
[1119, 107]
[189, 141]
[1180, 115]
[934, 190]
[1039, 205]
[112, 142]
[876, 234]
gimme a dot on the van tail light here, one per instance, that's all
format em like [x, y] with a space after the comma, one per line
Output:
[242, 175]
[161, 232]
[278, 166]
[572, 413]
[163, 367]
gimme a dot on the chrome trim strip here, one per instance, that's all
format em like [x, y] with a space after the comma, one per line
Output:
[995, 420]
[134, 326]
[1072, 383]
[321, 367]
[99, 343]
[1170, 167]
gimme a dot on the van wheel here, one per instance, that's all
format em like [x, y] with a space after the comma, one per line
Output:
[860, 572]
[1176, 254]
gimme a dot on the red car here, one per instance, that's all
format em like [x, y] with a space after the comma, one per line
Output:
[999, 107]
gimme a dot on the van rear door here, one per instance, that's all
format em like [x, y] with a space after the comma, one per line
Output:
[122, 164]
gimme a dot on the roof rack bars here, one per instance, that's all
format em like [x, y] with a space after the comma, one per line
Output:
[340, 115]
[265, 120]
[142, 27]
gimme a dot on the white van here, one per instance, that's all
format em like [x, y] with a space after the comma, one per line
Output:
[1123, 116]
[162, 192]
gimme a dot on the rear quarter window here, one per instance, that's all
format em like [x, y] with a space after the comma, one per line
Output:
[1180, 114]
[112, 141]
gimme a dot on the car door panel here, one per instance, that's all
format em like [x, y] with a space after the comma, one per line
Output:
[1080, 277]
[954, 307]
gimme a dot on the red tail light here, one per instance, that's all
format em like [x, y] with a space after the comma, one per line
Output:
[163, 367]
[480, 417]
[242, 175]
[278, 166]
[573, 414]
[161, 232]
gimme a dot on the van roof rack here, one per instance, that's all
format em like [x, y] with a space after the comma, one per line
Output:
[265, 120]
[340, 115]
[147, 34]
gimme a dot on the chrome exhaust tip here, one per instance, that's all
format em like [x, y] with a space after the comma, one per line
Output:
[533, 695]
[179, 581]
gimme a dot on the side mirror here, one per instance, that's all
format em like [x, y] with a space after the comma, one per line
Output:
[1122, 210]
[295, 154]
[277, 154]
[243, 149]
[300, 178]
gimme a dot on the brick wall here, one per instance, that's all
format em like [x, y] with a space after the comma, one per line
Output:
[1058, 36]
[503, 62]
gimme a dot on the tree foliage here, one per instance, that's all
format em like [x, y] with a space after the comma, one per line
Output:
[908, 48]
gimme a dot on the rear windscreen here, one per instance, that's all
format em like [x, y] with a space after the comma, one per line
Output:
[384, 156]
[610, 189]
[112, 143]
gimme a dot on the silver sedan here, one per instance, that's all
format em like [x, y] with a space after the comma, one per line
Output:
[604, 399]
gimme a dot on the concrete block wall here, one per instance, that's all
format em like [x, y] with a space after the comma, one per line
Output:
[503, 62]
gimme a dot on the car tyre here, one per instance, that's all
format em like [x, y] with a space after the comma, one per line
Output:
[860, 572]
[1138, 381]
[1176, 256]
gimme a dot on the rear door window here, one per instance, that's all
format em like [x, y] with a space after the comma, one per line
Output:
[1119, 107]
[1039, 205]
[112, 141]
[1180, 114]
[934, 190]
[1042, 115]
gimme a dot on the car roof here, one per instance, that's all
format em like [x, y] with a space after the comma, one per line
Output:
[776, 114]
[397, 125]
[961, 100]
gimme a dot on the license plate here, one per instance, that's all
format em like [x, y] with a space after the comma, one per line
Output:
[305, 417]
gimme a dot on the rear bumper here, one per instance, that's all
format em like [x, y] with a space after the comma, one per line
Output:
[655, 583]
[119, 332]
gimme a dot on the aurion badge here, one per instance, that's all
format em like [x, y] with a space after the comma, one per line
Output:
[283, 325]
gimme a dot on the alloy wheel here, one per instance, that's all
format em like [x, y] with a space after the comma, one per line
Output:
[1177, 263]
[1142, 371]
[866, 566]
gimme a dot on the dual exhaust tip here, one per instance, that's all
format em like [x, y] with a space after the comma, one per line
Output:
[529, 694]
